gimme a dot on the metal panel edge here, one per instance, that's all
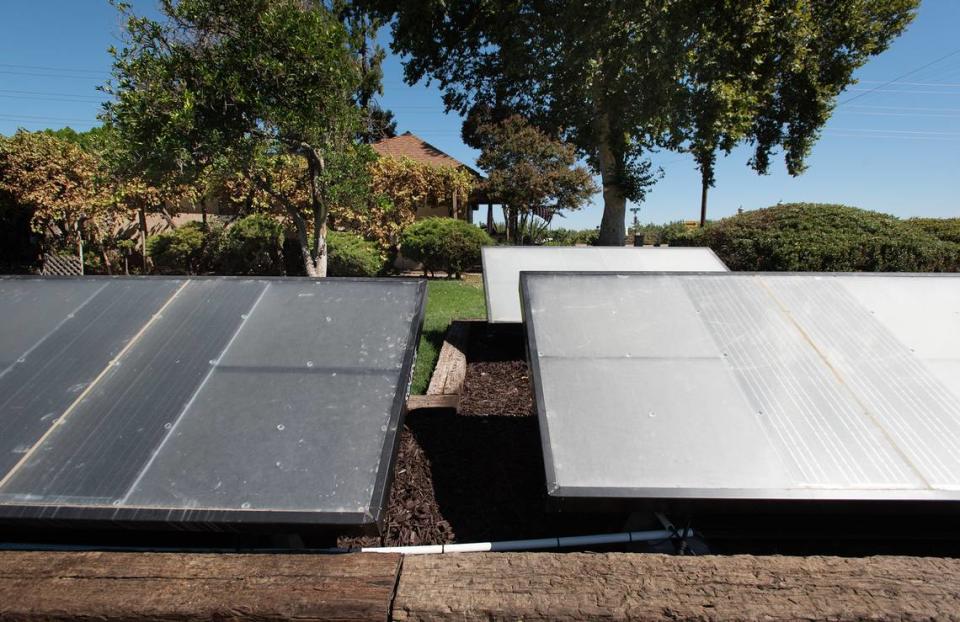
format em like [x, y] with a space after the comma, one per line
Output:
[533, 362]
[486, 286]
[398, 411]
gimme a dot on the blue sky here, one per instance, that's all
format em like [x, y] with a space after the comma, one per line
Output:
[896, 149]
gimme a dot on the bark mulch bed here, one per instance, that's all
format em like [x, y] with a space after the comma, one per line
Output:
[478, 475]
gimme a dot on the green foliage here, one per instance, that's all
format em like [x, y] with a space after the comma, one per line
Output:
[444, 244]
[527, 170]
[254, 82]
[446, 301]
[572, 237]
[619, 79]
[821, 237]
[252, 245]
[946, 229]
[177, 251]
[351, 255]
[528, 231]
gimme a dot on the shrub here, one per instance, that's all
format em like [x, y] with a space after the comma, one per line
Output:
[177, 251]
[444, 244]
[821, 237]
[945, 229]
[252, 245]
[351, 255]
[571, 237]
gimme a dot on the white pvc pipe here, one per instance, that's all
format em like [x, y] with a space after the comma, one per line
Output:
[531, 545]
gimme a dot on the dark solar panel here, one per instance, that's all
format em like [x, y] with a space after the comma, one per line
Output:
[208, 400]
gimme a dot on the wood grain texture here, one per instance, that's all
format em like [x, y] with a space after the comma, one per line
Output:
[417, 402]
[542, 586]
[451, 368]
[166, 586]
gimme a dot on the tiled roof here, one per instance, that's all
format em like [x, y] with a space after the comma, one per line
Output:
[409, 146]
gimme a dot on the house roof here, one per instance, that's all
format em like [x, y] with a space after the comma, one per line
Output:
[408, 145]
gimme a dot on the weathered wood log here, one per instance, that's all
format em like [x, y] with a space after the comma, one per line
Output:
[537, 586]
[451, 368]
[417, 402]
[167, 586]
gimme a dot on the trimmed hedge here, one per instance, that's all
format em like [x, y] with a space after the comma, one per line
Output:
[446, 244]
[823, 237]
[351, 255]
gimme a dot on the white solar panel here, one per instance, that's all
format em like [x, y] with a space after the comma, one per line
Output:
[747, 386]
[502, 266]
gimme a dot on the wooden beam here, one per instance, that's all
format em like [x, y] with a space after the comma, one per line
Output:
[167, 586]
[418, 402]
[623, 586]
[451, 368]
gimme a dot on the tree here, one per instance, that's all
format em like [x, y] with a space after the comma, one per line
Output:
[721, 87]
[770, 73]
[54, 180]
[611, 77]
[376, 122]
[528, 171]
[262, 83]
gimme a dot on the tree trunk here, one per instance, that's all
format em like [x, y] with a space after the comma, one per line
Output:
[104, 257]
[142, 214]
[322, 252]
[309, 264]
[513, 226]
[318, 253]
[612, 225]
[704, 188]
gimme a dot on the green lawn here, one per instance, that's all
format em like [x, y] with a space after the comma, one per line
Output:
[446, 300]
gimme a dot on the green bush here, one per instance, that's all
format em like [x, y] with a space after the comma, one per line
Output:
[177, 251]
[252, 245]
[444, 244]
[945, 229]
[822, 237]
[572, 237]
[351, 255]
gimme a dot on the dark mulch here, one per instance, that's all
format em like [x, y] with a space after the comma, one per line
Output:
[497, 389]
[478, 475]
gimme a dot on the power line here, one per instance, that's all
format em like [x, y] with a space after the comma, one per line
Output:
[911, 132]
[900, 114]
[64, 69]
[900, 77]
[900, 91]
[47, 75]
[52, 99]
[907, 108]
[46, 93]
[27, 117]
[833, 134]
[937, 84]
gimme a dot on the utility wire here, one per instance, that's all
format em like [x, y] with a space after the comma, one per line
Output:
[900, 77]
[47, 93]
[47, 75]
[937, 84]
[46, 68]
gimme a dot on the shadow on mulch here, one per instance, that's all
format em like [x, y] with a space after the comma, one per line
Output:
[477, 475]
[496, 342]
[462, 478]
